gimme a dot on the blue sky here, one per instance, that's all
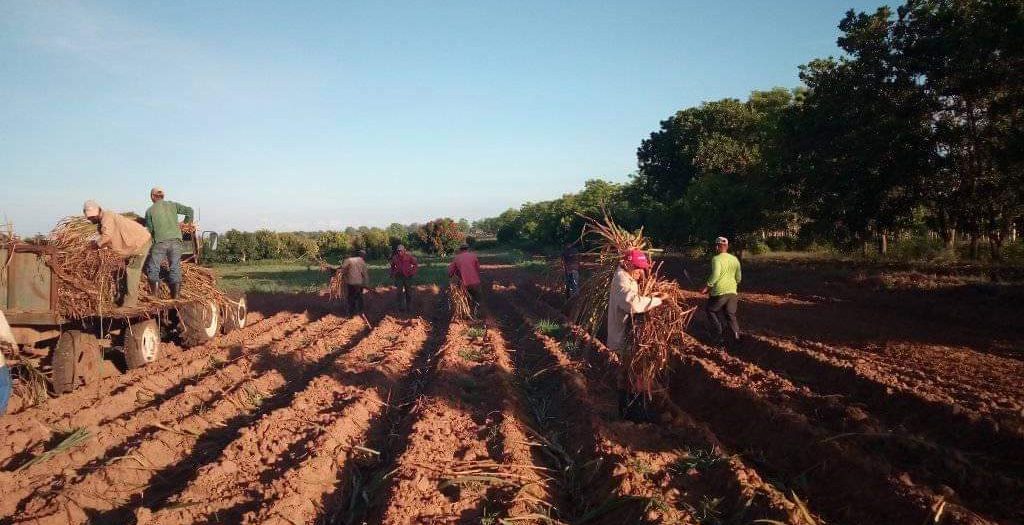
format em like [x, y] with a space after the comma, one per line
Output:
[318, 115]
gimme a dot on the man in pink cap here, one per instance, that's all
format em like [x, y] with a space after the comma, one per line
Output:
[624, 297]
[624, 301]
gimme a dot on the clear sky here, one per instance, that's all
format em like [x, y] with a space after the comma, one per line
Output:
[317, 115]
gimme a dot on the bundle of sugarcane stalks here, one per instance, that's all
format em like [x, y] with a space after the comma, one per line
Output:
[655, 334]
[88, 278]
[459, 301]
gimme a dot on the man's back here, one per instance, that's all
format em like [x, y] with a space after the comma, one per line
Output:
[403, 264]
[725, 274]
[162, 220]
[467, 266]
[354, 271]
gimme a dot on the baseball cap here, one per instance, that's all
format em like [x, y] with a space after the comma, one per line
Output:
[157, 190]
[400, 248]
[91, 208]
[721, 240]
[638, 259]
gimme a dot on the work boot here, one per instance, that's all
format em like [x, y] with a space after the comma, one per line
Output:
[175, 289]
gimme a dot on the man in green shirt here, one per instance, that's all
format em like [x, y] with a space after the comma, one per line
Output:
[722, 283]
[162, 222]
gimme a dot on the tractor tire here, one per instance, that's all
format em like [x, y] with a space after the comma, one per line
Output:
[200, 323]
[234, 313]
[141, 343]
[76, 360]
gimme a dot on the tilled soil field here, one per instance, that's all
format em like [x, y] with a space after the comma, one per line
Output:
[309, 416]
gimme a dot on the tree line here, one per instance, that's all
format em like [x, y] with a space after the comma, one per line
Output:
[915, 131]
[440, 236]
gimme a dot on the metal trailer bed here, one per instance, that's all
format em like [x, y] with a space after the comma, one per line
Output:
[75, 349]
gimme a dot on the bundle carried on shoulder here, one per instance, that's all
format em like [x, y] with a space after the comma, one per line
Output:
[654, 334]
[88, 278]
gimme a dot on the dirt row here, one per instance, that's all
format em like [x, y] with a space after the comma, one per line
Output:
[833, 450]
[309, 416]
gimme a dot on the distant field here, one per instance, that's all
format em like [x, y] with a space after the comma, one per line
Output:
[298, 277]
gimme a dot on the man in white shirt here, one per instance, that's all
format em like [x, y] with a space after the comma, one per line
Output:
[624, 298]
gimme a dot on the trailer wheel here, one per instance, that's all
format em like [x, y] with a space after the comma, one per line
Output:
[200, 321]
[141, 343]
[234, 313]
[75, 360]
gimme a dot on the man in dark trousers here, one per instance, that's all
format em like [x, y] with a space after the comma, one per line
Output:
[571, 266]
[403, 268]
[162, 222]
[356, 276]
[722, 287]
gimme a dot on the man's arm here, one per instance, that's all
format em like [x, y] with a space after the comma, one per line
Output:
[716, 274]
[632, 300]
[365, 271]
[739, 272]
[106, 230]
[181, 209]
[149, 221]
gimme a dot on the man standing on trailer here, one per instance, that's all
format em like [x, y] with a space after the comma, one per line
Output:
[466, 267]
[127, 238]
[722, 286]
[357, 278]
[403, 268]
[162, 222]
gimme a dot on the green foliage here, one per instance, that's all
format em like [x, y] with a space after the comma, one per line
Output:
[548, 327]
[914, 130]
[440, 236]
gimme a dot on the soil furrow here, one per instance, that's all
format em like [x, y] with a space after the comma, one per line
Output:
[233, 485]
[840, 480]
[611, 471]
[984, 485]
[722, 474]
[122, 397]
[462, 462]
[375, 374]
[111, 485]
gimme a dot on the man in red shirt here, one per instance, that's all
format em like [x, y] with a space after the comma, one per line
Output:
[403, 269]
[466, 267]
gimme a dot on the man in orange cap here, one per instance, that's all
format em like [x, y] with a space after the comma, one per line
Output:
[128, 238]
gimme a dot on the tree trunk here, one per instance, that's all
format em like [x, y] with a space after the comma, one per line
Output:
[883, 246]
[974, 246]
[948, 238]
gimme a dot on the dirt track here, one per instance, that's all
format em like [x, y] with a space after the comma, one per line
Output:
[306, 416]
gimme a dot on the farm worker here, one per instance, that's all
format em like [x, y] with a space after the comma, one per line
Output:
[571, 265]
[125, 237]
[722, 287]
[624, 297]
[466, 267]
[403, 268]
[357, 277]
[624, 301]
[162, 222]
[7, 344]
